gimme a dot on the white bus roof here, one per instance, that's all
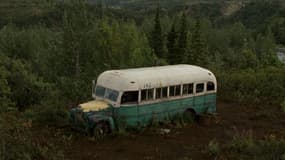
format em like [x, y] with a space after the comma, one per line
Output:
[153, 77]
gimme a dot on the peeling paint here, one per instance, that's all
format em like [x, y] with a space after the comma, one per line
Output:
[95, 105]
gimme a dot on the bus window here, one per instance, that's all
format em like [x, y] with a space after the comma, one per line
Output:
[130, 97]
[161, 93]
[187, 89]
[111, 94]
[158, 93]
[171, 91]
[177, 90]
[100, 91]
[199, 87]
[150, 94]
[210, 86]
[174, 90]
[143, 95]
[164, 92]
[147, 94]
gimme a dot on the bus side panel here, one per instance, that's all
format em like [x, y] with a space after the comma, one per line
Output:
[150, 113]
[145, 114]
[188, 103]
[199, 104]
[162, 111]
[210, 103]
[126, 116]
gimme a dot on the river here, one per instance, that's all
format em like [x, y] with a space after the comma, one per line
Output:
[281, 54]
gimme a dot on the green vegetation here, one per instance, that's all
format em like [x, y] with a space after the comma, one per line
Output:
[258, 86]
[50, 53]
[283, 106]
[213, 148]
[245, 146]
[17, 141]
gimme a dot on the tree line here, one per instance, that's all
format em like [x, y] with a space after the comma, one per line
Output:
[47, 63]
[40, 61]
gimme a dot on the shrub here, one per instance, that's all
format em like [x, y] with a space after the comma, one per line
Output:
[270, 149]
[51, 115]
[283, 106]
[246, 147]
[242, 143]
[213, 148]
[263, 85]
[16, 141]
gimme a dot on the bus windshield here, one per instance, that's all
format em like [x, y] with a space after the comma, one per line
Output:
[106, 93]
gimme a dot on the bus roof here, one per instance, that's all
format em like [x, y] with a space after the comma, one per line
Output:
[153, 77]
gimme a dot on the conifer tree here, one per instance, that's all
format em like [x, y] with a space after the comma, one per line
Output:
[172, 45]
[198, 49]
[182, 41]
[156, 39]
[265, 48]
[75, 25]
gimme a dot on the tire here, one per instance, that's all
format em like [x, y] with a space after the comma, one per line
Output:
[189, 116]
[101, 130]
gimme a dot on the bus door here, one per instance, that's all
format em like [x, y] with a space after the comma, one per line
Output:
[128, 112]
[199, 98]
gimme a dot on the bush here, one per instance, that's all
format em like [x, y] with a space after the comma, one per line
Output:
[264, 86]
[48, 114]
[242, 143]
[16, 141]
[283, 106]
[213, 148]
[246, 147]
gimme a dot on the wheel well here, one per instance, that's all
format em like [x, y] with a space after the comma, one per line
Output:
[105, 122]
[190, 110]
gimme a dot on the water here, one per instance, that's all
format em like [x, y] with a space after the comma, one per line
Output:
[281, 56]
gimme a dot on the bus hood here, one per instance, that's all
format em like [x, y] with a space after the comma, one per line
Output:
[95, 105]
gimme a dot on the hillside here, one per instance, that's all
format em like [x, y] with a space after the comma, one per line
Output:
[52, 50]
[21, 11]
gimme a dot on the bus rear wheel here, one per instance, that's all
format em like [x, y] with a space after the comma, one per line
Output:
[189, 116]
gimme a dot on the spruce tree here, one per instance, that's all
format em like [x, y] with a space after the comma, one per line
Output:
[172, 45]
[156, 39]
[182, 41]
[198, 49]
[74, 27]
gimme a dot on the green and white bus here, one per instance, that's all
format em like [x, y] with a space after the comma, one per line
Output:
[137, 97]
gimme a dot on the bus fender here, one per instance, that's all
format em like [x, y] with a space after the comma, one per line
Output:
[95, 119]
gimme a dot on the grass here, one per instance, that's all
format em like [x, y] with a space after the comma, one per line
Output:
[283, 106]
[247, 147]
[213, 148]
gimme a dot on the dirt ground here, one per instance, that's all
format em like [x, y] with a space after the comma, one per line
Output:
[185, 142]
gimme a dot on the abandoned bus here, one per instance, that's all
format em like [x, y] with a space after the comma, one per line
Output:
[137, 97]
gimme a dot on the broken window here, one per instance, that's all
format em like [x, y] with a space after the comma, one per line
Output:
[161, 93]
[147, 94]
[130, 97]
[164, 92]
[188, 89]
[199, 87]
[174, 90]
[210, 86]
[158, 93]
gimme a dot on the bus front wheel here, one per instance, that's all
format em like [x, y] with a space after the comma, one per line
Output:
[101, 130]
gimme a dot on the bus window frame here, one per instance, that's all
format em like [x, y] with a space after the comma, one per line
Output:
[161, 93]
[215, 87]
[181, 96]
[195, 88]
[188, 94]
[148, 100]
[129, 103]
[180, 92]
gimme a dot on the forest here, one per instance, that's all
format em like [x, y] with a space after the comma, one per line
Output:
[50, 51]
